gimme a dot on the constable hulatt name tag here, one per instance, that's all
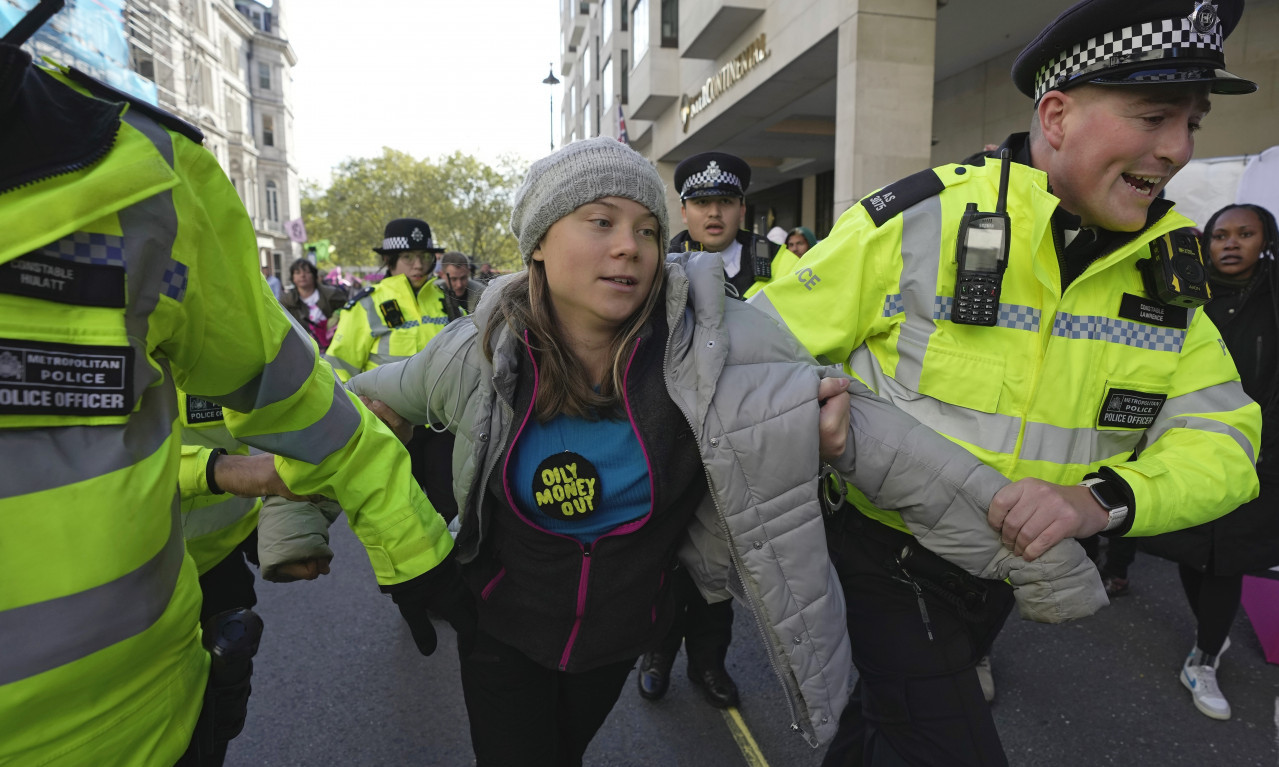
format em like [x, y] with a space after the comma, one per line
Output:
[64, 281]
[1130, 409]
[45, 378]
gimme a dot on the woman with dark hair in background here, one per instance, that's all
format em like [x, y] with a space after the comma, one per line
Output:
[311, 302]
[1214, 557]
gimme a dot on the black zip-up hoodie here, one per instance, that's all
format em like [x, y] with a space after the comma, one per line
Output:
[574, 606]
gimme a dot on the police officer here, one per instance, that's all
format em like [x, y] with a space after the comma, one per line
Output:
[1060, 357]
[102, 660]
[712, 190]
[393, 320]
[712, 203]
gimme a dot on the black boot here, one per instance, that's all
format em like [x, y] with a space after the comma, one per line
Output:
[715, 683]
[655, 674]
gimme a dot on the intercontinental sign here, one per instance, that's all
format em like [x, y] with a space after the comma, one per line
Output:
[721, 81]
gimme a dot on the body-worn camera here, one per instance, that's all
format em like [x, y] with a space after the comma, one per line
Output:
[391, 313]
[1175, 273]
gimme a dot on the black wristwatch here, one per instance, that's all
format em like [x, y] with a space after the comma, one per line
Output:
[1110, 498]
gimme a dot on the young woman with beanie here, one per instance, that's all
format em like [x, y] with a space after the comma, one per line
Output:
[602, 441]
[1213, 558]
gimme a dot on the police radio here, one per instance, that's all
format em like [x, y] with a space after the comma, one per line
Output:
[981, 254]
[1175, 272]
[761, 266]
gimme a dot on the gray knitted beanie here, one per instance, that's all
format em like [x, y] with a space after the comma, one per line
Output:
[581, 172]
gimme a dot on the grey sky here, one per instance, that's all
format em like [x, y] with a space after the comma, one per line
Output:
[426, 77]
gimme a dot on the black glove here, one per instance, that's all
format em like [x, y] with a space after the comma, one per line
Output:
[439, 590]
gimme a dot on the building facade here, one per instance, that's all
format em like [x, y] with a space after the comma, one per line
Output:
[226, 67]
[829, 100]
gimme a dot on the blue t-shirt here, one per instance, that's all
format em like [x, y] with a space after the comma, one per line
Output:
[580, 478]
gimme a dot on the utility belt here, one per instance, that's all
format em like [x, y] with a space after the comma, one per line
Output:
[980, 604]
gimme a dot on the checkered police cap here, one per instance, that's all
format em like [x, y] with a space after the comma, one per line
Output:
[1132, 42]
[712, 174]
[407, 234]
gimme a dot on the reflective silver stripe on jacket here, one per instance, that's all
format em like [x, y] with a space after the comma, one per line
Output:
[921, 249]
[216, 516]
[280, 378]
[53, 633]
[318, 441]
[993, 432]
[1083, 446]
[384, 359]
[1179, 413]
[338, 362]
[1135, 334]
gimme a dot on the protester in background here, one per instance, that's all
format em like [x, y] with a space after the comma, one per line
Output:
[1213, 558]
[799, 240]
[486, 272]
[312, 303]
[273, 281]
[594, 396]
[461, 291]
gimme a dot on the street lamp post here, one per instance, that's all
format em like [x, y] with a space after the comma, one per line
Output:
[552, 81]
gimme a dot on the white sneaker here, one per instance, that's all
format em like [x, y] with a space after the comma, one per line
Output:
[986, 678]
[1202, 683]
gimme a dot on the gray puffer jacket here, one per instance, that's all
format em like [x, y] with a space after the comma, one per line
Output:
[749, 391]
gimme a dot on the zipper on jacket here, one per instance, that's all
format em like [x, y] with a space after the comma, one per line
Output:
[583, 580]
[764, 632]
[629, 527]
[63, 170]
[919, 596]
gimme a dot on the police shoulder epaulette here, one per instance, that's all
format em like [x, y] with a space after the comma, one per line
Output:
[355, 299]
[108, 93]
[900, 195]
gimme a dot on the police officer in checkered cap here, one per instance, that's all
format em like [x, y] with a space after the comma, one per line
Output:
[712, 189]
[1071, 315]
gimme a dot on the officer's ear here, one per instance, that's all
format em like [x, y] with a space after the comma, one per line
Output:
[683, 214]
[1051, 112]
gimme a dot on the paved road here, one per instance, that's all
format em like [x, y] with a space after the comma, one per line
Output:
[339, 682]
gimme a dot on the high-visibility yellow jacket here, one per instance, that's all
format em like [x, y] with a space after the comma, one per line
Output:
[213, 525]
[389, 323]
[1067, 382]
[126, 267]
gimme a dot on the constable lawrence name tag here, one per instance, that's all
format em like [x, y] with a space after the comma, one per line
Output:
[45, 378]
[1130, 409]
[64, 281]
[1151, 312]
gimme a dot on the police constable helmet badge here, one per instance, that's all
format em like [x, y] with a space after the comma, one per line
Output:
[417, 234]
[1204, 17]
[713, 171]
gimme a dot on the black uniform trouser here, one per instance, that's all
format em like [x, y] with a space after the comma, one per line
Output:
[704, 628]
[431, 456]
[226, 586]
[917, 700]
[526, 715]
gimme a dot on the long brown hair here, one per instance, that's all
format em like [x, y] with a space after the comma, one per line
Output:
[564, 386]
